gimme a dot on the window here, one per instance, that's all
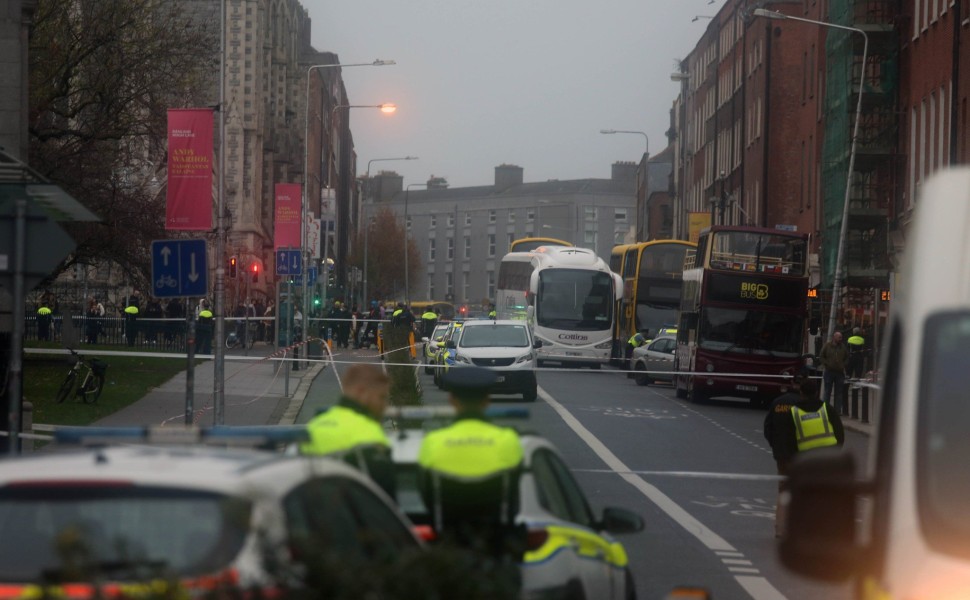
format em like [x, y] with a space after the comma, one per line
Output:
[451, 248]
[621, 215]
[451, 220]
[409, 223]
[431, 249]
[430, 285]
[491, 244]
[530, 215]
[590, 212]
[449, 283]
[468, 219]
[491, 284]
[434, 221]
[589, 237]
[468, 247]
[467, 288]
[511, 216]
[491, 216]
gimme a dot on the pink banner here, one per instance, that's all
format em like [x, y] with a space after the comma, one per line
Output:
[189, 200]
[286, 230]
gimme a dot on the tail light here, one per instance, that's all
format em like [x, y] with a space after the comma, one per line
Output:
[535, 539]
[425, 533]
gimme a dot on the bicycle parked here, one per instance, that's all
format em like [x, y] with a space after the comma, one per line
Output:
[90, 373]
[233, 339]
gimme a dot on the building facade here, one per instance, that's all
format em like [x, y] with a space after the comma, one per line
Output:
[463, 233]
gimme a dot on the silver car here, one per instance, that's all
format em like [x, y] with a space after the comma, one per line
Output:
[570, 553]
[654, 361]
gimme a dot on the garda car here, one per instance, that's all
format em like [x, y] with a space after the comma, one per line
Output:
[654, 361]
[445, 357]
[431, 347]
[506, 347]
[201, 516]
[570, 552]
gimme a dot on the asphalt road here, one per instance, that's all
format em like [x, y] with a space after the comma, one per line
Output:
[701, 476]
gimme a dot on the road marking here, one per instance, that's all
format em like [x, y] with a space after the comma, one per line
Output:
[690, 474]
[742, 570]
[736, 561]
[758, 587]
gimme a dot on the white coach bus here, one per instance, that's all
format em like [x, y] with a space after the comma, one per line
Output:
[568, 296]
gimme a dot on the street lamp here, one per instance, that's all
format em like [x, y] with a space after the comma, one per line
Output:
[407, 289]
[367, 221]
[844, 228]
[646, 170]
[304, 209]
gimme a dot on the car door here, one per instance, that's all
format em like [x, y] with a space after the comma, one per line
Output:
[561, 495]
[660, 358]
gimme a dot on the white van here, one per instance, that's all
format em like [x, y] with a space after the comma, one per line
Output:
[901, 529]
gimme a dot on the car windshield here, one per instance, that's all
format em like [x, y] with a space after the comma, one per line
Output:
[126, 532]
[489, 336]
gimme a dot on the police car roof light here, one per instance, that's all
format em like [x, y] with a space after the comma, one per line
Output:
[268, 434]
[420, 413]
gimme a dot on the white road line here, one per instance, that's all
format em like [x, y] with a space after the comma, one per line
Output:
[691, 474]
[758, 587]
[736, 561]
[742, 570]
[725, 553]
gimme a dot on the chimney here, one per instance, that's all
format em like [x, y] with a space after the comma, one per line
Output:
[507, 176]
[386, 185]
[437, 183]
[625, 172]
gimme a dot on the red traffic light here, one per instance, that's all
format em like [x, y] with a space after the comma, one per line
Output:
[254, 269]
[232, 266]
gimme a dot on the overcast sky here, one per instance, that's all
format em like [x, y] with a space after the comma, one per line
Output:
[527, 82]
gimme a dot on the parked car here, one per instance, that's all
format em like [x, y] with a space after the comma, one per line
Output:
[431, 347]
[570, 552]
[445, 358]
[654, 361]
[506, 347]
[202, 516]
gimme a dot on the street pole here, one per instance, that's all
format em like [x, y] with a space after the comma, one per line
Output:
[844, 226]
[367, 220]
[219, 354]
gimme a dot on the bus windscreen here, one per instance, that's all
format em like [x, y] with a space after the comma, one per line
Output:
[575, 300]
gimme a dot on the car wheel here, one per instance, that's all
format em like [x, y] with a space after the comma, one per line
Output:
[530, 394]
[640, 374]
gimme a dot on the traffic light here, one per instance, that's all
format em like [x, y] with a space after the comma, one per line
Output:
[232, 267]
[255, 270]
[316, 300]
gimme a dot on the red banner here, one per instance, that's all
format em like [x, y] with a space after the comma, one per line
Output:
[189, 200]
[286, 228]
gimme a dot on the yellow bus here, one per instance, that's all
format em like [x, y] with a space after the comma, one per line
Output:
[652, 279]
[528, 244]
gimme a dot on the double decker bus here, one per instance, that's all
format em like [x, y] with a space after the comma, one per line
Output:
[568, 296]
[742, 314]
[528, 244]
[652, 275]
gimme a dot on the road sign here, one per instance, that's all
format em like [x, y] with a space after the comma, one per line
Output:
[179, 268]
[298, 279]
[289, 262]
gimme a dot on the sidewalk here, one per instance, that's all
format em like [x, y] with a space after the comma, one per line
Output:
[254, 393]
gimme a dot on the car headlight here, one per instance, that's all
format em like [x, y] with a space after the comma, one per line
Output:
[525, 358]
[604, 345]
[463, 360]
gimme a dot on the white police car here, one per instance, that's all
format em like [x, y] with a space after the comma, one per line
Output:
[505, 347]
[654, 361]
[570, 553]
[202, 516]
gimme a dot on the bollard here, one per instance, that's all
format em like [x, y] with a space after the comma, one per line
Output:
[845, 398]
[27, 426]
[854, 411]
[865, 405]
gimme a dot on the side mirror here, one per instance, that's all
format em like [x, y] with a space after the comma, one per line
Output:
[450, 344]
[425, 340]
[620, 520]
[537, 343]
[820, 525]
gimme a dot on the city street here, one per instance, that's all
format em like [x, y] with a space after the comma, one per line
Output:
[699, 475]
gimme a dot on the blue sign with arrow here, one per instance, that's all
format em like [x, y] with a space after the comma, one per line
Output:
[289, 262]
[179, 268]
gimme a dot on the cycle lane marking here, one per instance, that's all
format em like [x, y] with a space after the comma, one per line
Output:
[757, 586]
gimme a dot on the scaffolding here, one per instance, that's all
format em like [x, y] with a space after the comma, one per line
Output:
[874, 182]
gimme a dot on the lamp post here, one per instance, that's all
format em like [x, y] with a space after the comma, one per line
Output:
[844, 227]
[304, 209]
[646, 168]
[407, 289]
[366, 220]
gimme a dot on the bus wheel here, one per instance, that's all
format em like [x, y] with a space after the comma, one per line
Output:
[681, 392]
[693, 395]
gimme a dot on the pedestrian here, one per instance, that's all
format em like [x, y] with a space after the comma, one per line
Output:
[833, 357]
[92, 322]
[343, 325]
[175, 313]
[154, 313]
[203, 331]
[855, 366]
[131, 323]
[270, 315]
[355, 325]
[469, 472]
[259, 309]
[798, 421]
[351, 430]
[44, 321]
[370, 328]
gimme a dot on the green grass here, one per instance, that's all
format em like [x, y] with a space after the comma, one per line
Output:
[128, 379]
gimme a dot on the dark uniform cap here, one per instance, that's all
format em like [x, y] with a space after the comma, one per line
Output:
[474, 382]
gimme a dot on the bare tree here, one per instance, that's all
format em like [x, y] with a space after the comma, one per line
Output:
[102, 74]
[385, 257]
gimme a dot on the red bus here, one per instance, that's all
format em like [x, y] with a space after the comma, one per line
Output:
[742, 314]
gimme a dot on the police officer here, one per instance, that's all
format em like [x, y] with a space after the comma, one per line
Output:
[428, 320]
[638, 339]
[352, 430]
[204, 330]
[491, 312]
[855, 365]
[44, 322]
[131, 318]
[796, 422]
[469, 471]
